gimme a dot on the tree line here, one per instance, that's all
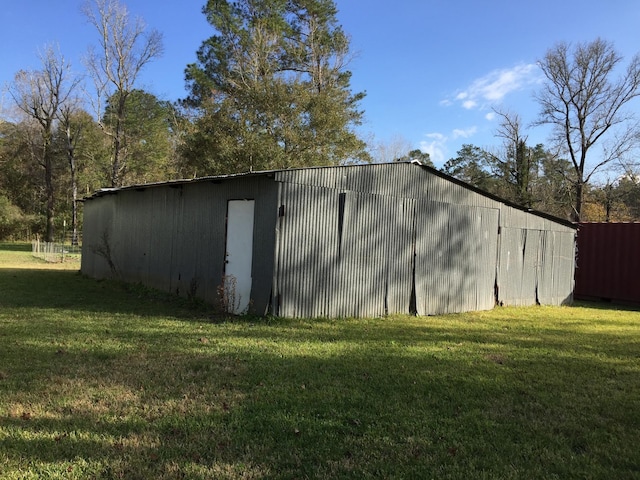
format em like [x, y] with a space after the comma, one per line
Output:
[271, 89]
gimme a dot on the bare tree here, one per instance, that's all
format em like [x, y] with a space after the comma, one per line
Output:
[125, 47]
[586, 107]
[72, 126]
[391, 150]
[40, 95]
[516, 164]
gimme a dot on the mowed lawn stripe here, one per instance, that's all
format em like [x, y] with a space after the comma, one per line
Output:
[103, 380]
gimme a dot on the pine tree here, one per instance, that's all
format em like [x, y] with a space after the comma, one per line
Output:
[270, 89]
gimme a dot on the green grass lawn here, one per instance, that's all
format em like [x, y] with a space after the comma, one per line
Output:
[106, 381]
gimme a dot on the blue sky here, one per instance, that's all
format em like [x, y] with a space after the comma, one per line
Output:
[432, 69]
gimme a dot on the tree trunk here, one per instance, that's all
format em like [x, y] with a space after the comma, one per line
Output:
[74, 210]
[74, 199]
[74, 188]
[578, 206]
[48, 178]
[115, 164]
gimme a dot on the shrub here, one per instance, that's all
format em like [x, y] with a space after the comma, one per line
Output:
[12, 220]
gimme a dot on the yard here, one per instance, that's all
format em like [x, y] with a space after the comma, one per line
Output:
[102, 380]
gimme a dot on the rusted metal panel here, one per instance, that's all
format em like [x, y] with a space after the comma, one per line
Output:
[608, 262]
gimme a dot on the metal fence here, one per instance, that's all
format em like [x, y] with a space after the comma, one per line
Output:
[55, 252]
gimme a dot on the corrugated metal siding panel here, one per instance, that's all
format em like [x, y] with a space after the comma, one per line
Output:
[535, 266]
[449, 222]
[530, 268]
[401, 180]
[345, 244]
[486, 251]
[98, 222]
[375, 255]
[160, 237]
[514, 218]
[343, 253]
[516, 268]
[172, 237]
[433, 269]
[308, 251]
[608, 261]
[455, 258]
[400, 257]
[556, 267]
[130, 237]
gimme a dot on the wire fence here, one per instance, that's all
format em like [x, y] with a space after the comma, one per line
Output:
[55, 252]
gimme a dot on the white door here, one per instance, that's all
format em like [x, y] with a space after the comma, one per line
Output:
[237, 279]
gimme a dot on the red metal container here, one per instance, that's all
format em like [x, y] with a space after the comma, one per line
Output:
[608, 262]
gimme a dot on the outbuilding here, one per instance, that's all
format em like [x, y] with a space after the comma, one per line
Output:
[359, 240]
[608, 262]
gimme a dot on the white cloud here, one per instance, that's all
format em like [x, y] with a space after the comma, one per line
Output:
[459, 133]
[436, 143]
[497, 84]
[435, 146]
[490, 116]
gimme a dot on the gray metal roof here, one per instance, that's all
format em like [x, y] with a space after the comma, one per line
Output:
[431, 170]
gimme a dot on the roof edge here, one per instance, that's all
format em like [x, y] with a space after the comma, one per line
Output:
[432, 170]
[473, 188]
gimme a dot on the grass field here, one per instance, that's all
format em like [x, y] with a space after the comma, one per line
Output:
[106, 381]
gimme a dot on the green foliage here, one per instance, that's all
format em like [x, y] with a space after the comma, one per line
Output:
[150, 146]
[122, 382]
[628, 190]
[146, 141]
[416, 155]
[270, 89]
[12, 220]
[613, 202]
[530, 177]
[471, 166]
[554, 185]
[21, 178]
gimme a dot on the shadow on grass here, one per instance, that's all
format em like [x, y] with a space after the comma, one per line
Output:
[15, 247]
[366, 410]
[607, 305]
[386, 398]
[69, 289]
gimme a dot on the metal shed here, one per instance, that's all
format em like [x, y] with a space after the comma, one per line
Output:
[360, 240]
[608, 262]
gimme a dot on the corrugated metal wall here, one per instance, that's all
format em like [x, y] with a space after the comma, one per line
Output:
[351, 233]
[609, 261]
[455, 258]
[363, 240]
[172, 237]
[535, 266]
[343, 253]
